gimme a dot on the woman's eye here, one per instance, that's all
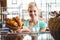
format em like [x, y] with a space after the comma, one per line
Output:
[30, 11]
[34, 10]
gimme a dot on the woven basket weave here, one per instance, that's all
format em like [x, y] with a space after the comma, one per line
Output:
[54, 27]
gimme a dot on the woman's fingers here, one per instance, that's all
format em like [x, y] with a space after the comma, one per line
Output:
[25, 29]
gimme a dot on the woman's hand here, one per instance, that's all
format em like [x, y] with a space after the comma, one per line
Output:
[25, 29]
[42, 29]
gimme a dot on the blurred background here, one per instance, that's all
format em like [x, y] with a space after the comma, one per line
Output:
[12, 8]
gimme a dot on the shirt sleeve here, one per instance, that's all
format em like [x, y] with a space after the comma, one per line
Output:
[42, 24]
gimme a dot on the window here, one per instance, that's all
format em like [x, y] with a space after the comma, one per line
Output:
[14, 1]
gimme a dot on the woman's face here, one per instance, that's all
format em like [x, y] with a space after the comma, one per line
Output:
[33, 12]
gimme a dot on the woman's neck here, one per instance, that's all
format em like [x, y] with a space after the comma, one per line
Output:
[33, 20]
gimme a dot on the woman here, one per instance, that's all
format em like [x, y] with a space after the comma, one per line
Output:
[34, 23]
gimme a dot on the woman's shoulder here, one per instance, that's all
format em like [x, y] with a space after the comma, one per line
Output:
[42, 24]
[41, 21]
[26, 21]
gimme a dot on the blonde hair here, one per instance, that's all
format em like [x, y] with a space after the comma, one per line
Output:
[32, 4]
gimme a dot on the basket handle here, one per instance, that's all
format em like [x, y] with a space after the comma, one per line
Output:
[57, 15]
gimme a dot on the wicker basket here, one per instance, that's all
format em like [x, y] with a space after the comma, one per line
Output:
[54, 27]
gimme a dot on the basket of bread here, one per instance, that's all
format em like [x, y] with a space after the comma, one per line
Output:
[14, 23]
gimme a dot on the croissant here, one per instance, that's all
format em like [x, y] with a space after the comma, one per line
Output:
[17, 19]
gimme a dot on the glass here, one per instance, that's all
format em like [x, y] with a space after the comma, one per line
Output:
[33, 29]
[41, 36]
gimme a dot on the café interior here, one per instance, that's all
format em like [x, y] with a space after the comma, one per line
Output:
[11, 8]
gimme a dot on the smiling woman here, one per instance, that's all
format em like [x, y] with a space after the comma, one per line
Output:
[34, 22]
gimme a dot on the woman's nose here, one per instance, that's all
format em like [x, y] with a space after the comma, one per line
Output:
[33, 13]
